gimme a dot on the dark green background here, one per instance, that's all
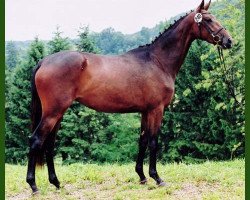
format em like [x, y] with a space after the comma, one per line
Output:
[2, 127]
[247, 111]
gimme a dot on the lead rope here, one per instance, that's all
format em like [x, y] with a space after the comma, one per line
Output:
[221, 56]
[223, 66]
[222, 63]
[227, 81]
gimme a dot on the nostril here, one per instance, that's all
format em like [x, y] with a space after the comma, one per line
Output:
[229, 43]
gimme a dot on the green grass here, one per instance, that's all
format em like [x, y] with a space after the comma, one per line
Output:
[209, 181]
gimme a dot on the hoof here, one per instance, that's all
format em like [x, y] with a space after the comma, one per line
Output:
[57, 185]
[34, 193]
[162, 184]
[143, 182]
[55, 182]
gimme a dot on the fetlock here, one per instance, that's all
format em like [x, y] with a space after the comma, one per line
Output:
[53, 180]
[31, 181]
[138, 168]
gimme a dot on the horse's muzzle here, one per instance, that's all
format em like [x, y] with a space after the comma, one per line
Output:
[227, 43]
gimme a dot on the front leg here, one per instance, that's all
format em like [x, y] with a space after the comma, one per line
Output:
[154, 123]
[153, 146]
[139, 162]
[143, 143]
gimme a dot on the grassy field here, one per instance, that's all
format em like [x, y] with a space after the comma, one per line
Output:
[210, 180]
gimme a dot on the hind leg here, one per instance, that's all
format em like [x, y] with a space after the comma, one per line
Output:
[36, 153]
[31, 172]
[49, 152]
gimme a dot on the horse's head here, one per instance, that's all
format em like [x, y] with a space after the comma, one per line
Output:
[206, 27]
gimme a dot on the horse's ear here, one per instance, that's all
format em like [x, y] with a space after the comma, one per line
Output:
[207, 5]
[200, 7]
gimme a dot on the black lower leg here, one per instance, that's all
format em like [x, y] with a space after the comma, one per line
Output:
[32, 158]
[153, 145]
[31, 173]
[37, 150]
[51, 170]
[49, 152]
[139, 163]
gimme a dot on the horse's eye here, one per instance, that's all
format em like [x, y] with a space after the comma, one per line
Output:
[209, 20]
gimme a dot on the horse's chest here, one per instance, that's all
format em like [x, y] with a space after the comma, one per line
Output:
[159, 96]
[168, 95]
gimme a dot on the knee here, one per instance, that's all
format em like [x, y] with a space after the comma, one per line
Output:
[143, 142]
[153, 145]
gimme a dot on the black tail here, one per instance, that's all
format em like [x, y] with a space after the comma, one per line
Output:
[36, 108]
[36, 113]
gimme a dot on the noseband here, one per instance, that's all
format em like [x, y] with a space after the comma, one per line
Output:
[216, 37]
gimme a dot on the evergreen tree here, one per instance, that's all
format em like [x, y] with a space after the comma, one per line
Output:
[110, 42]
[18, 121]
[84, 42]
[11, 55]
[58, 43]
[7, 92]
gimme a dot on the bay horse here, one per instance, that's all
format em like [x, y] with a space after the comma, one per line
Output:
[140, 80]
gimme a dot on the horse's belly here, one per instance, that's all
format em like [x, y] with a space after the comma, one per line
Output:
[113, 102]
[110, 104]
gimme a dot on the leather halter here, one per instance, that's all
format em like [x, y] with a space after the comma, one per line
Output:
[217, 39]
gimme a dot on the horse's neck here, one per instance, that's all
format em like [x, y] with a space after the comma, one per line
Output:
[172, 47]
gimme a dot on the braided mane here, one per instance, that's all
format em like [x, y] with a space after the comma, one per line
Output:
[168, 29]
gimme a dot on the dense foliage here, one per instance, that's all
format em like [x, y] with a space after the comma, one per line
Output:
[18, 100]
[204, 121]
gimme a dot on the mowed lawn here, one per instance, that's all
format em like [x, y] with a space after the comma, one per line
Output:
[209, 180]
